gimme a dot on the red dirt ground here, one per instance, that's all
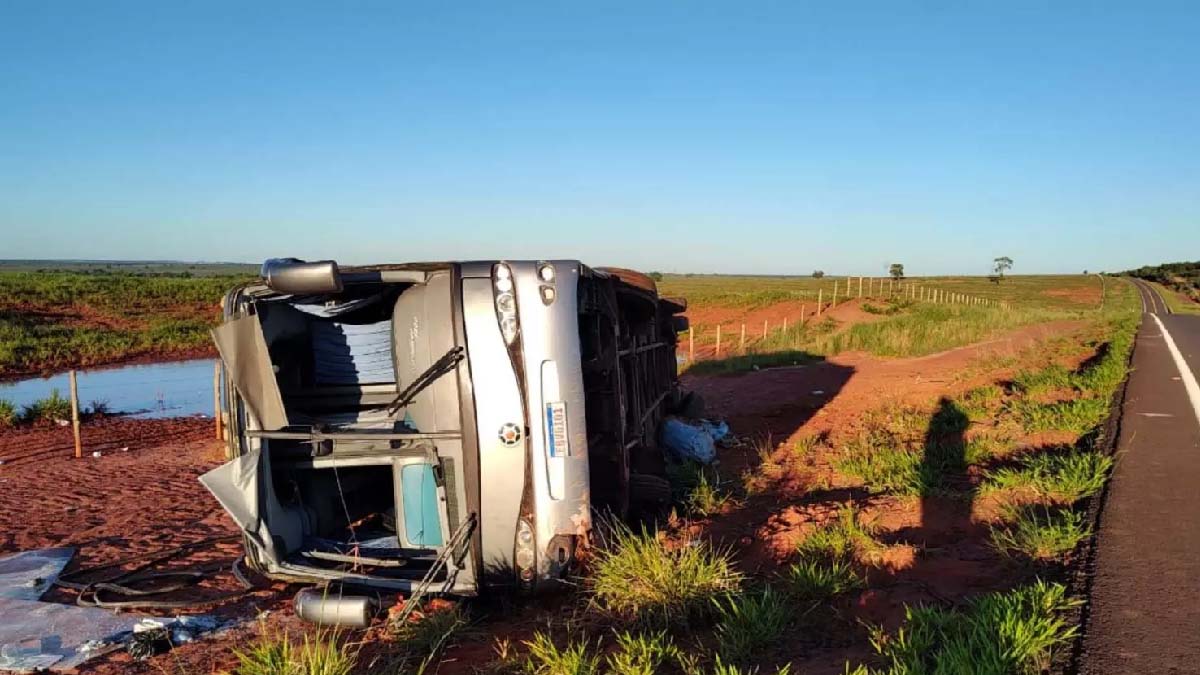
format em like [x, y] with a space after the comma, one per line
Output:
[1089, 295]
[128, 502]
[704, 321]
[147, 499]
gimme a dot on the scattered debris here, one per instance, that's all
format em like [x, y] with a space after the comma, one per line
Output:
[38, 635]
[29, 574]
[696, 441]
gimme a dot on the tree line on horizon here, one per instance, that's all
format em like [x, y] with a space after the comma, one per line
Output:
[1183, 277]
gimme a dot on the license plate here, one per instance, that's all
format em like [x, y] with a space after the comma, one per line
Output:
[556, 429]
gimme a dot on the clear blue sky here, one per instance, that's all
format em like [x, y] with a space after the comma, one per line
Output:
[687, 136]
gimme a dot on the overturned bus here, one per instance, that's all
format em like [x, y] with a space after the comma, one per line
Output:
[445, 426]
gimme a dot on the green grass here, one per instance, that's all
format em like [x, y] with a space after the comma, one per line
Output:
[846, 538]
[915, 329]
[697, 488]
[886, 461]
[8, 413]
[812, 581]
[53, 407]
[888, 307]
[635, 653]
[1010, 633]
[423, 639]
[1040, 533]
[1063, 477]
[276, 654]
[981, 402]
[1077, 415]
[723, 668]
[547, 658]
[1176, 301]
[927, 329]
[643, 579]
[705, 290]
[750, 624]
[54, 320]
[828, 556]
[642, 653]
[884, 464]
[705, 498]
[1036, 382]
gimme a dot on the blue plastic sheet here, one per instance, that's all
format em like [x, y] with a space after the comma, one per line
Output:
[695, 441]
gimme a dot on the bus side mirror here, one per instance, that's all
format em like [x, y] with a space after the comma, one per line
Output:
[289, 275]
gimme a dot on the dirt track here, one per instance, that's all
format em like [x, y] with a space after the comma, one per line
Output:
[127, 502]
[1145, 600]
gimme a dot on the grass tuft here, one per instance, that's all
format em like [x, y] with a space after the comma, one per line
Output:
[426, 637]
[697, 488]
[884, 464]
[52, 408]
[1040, 533]
[723, 668]
[1078, 415]
[1036, 382]
[8, 414]
[844, 539]
[276, 654]
[546, 658]
[751, 623]
[642, 653]
[813, 581]
[981, 402]
[1062, 477]
[641, 578]
[996, 634]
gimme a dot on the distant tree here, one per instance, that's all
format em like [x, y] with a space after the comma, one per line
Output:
[1085, 271]
[657, 276]
[897, 271]
[817, 274]
[1002, 264]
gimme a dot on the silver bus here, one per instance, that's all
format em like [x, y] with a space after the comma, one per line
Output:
[449, 425]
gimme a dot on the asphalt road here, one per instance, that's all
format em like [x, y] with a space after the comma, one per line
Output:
[1145, 597]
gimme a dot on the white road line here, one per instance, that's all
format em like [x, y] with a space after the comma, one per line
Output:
[1150, 292]
[1154, 299]
[1189, 380]
[1141, 296]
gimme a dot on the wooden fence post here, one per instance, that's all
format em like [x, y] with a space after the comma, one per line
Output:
[217, 398]
[718, 341]
[764, 329]
[691, 344]
[785, 324]
[75, 414]
[742, 345]
[801, 315]
[860, 287]
[833, 301]
[820, 298]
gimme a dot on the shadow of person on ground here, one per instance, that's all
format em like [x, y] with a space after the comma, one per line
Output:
[947, 495]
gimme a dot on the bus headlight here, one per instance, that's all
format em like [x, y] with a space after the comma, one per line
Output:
[526, 558]
[506, 302]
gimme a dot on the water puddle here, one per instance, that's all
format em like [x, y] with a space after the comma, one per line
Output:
[154, 390]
